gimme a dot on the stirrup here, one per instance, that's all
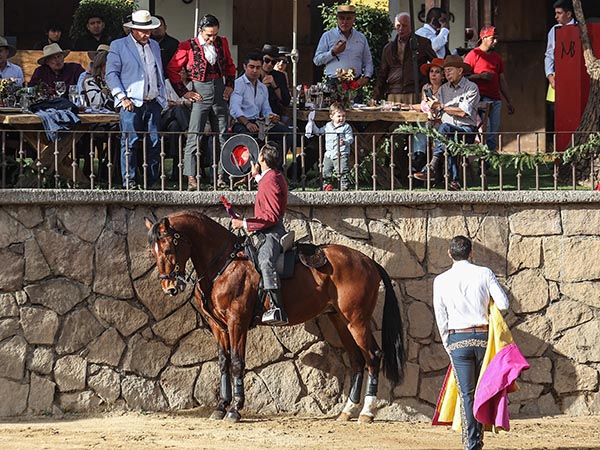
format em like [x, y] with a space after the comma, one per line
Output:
[274, 317]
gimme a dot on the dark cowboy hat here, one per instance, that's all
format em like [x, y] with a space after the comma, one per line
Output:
[456, 61]
[237, 153]
[271, 50]
[4, 44]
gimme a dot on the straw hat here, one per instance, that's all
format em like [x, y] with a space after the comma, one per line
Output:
[101, 48]
[437, 62]
[346, 9]
[142, 20]
[50, 50]
[4, 43]
[456, 61]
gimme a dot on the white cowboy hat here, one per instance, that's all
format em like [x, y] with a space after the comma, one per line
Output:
[4, 43]
[142, 20]
[50, 50]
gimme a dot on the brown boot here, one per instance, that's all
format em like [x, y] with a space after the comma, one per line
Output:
[192, 183]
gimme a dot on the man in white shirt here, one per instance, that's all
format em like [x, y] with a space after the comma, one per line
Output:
[437, 30]
[461, 298]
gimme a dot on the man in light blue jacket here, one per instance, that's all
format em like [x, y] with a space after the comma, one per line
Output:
[135, 77]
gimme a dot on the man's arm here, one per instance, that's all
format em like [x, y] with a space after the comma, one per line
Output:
[384, 69]
[367, 60]
[441, 314]
[178, 61]
[496, 291]
[504, 91]
[113, 76]
[323, 53]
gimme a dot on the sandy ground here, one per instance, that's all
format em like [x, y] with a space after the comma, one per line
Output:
[191, 429]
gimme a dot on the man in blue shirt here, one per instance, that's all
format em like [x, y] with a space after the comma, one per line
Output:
[249, 103]
[8, 69]
[344, 48]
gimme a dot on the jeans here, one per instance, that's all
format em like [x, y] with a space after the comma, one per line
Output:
[212, 108]
[466, 353]
[143, 118]
[338, 167]
[493, 125]
[438, 149]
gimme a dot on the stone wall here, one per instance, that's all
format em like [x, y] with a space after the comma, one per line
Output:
[85, 327]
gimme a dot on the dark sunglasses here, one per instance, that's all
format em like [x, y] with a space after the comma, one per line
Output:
[269, 61]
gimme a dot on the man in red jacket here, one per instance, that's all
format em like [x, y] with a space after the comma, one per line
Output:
[269, 208]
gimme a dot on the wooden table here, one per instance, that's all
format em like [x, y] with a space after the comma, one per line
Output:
[373, 128]
[59, 152]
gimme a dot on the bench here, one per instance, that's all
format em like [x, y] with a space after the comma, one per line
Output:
[27, 59]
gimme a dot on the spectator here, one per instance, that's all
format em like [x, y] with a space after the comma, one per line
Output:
[53, 68]
[249, 104]
[338, 146]
[429, 94]
[141, 98]
[94, 88]
[461, 298]
[8, 69]
[53, 34]
[168, 44]
[101, 48]
[344, 48]
[396, 74]
[208, 60]
[457, 104]
[94, 36]
[488, 74]
[279, 92]
[282, 63]
[564, 15]
[437, 30]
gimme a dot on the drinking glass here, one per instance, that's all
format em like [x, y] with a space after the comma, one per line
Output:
[60, 87]
[469, 34]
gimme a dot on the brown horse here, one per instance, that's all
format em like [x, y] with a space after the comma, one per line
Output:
[227, 293]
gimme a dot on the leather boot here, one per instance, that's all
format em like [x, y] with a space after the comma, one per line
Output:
[276, 314]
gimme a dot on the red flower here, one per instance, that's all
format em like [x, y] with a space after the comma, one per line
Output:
[354, 84]
[345, 86]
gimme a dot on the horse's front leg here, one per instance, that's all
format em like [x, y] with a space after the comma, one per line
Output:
[237, 338]
[225, 385]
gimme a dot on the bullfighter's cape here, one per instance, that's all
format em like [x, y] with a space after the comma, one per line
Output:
[502, 364]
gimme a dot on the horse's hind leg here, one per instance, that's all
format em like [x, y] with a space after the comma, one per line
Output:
[357, 362]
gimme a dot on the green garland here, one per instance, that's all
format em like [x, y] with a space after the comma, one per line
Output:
[517, 160]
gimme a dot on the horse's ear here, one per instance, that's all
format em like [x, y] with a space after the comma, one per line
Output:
[148, 223]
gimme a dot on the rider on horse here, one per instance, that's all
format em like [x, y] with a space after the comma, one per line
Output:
[269, 208]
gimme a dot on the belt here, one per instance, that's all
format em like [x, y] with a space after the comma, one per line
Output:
[149, 100]
[476, 329]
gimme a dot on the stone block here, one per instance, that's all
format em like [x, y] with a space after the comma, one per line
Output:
[36, 267]
[79, 329]
[526, 392]
[12, 358]
[330, 334]
[444, 224]
[351, 223]
[11, 231]
[13, 269]
[86, 222]
[429, 390]
[8, 306]
[575, 405]
[178, 385]
[523, 253]
[581, 343]
[39, 325]
[581, 219]
[28, 215]
[178, 324]
[137, 243]
[533, 335]
[106, 384]
[120, 314]
[567, 314]
[197, 347]
[535, 221]
[298, 337]
[586, 292]
[410, 384]
[490, 240]
[106, 349]
[79, 402]
[572, 377]
[112, 272]
[284, 385]
[548, 406]
[67, 255]
[41, 360]
[70, 373]
[421, 290]
[9, 328]
[57, 294]
[14, 398]
[41, 395]
[392, 253]
[262, 347]
[145, 357]
[206, 389]
[539, 372]
[142, 394]
[149, 292]
[420, 320]
[529, 292]
[571, 259]
[433, 358]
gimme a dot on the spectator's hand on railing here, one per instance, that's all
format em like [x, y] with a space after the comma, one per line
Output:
[227, 93]
[192, 96]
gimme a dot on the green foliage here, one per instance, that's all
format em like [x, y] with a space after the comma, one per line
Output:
[112, 11]
[373, 22]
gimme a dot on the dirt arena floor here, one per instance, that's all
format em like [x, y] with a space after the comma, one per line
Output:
[190, 430]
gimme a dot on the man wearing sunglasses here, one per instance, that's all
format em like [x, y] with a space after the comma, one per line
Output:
[279, 92]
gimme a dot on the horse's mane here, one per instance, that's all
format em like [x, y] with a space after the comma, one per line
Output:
[154, 234]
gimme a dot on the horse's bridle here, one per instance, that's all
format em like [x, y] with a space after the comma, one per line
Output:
[176, 273]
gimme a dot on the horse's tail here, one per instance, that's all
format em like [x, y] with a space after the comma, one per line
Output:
[394, 355]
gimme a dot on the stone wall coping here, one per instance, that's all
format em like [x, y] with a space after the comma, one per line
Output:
[296, 198]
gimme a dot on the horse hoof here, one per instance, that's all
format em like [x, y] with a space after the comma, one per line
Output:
[217, 414]
[363, 418]
[233, 416]
[344, 417]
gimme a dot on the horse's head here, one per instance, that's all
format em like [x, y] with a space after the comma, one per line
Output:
[171, 251]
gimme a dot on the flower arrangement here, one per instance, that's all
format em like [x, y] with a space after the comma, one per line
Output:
[8, 86]
[346, 87]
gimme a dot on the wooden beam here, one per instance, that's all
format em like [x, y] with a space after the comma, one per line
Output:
[487, 12]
